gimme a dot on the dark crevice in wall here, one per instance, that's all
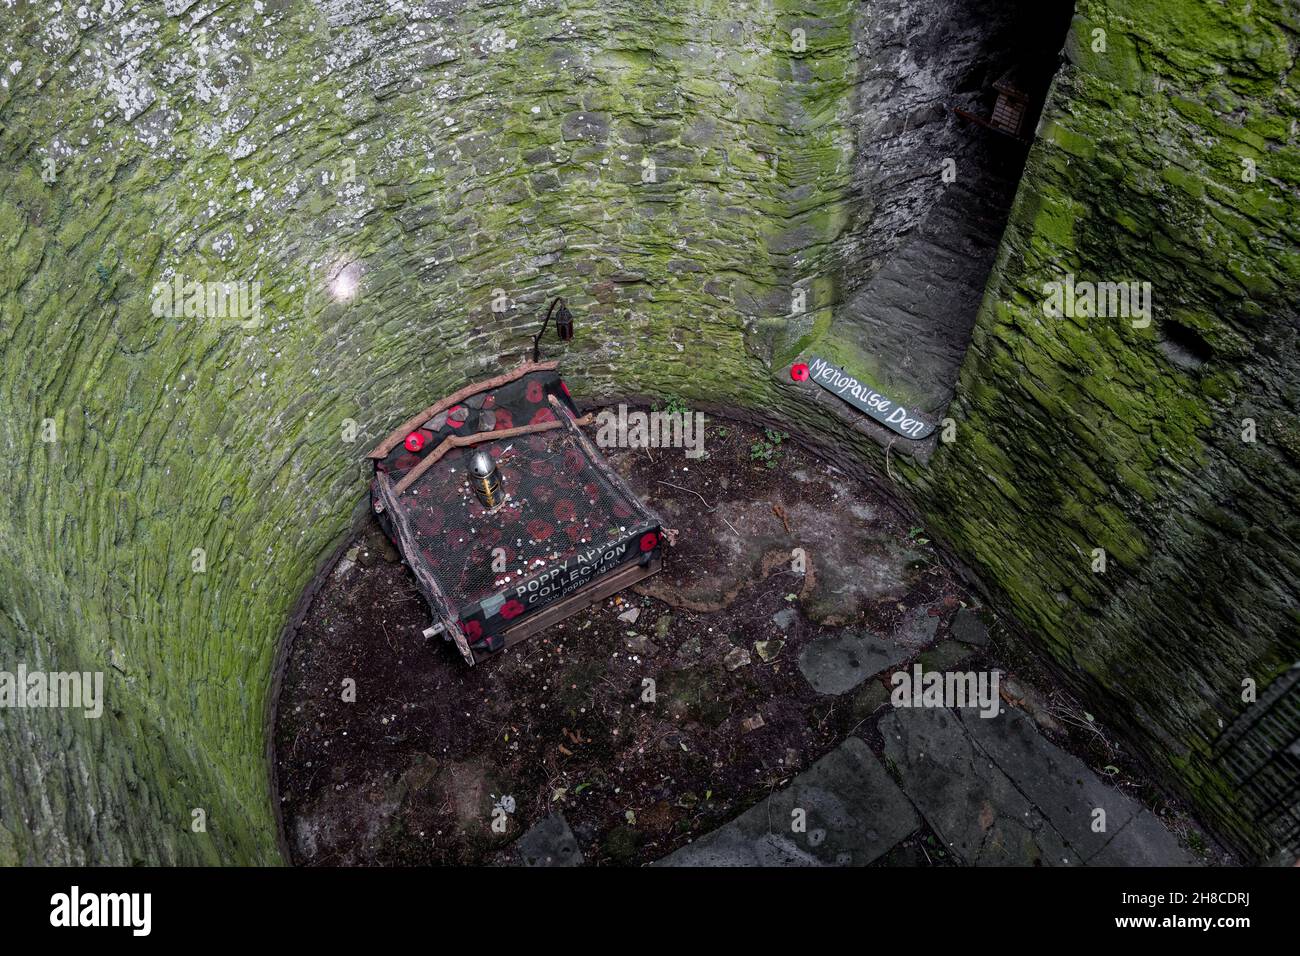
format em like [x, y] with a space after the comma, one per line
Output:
[1184, 346]
[933, 190]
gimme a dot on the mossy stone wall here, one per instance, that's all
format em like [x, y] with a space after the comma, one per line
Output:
[674, 170]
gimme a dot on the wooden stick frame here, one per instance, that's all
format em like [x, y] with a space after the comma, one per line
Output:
[460, 441]
[415, 421]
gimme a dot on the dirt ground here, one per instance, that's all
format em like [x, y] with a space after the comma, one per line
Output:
[646, 733]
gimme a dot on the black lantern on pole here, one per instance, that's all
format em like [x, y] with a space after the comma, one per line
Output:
[563, 326]
[564, 323]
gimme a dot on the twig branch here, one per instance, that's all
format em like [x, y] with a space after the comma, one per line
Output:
[710, 508]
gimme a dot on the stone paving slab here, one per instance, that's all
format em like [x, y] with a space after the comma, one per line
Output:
[1144, 841]
[841, 661]
[549, 842]
[855, 814]
[1057, 783]
[1069, 793]
[973, 806]
[995, 787]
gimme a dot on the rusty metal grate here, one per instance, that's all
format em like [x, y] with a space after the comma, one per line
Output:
[1261, 752]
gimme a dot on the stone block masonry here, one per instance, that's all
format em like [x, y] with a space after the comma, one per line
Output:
[674, 170]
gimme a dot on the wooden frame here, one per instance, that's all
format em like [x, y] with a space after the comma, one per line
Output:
[581, 599]
[447, 616]
[460, 441]
[415, 421]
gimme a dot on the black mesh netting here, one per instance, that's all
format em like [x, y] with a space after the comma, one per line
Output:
[567, 519]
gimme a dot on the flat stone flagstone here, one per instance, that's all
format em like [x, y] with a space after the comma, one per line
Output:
[549, 842]
[840, 662]
[997, 792]
[1070, 794]
[972, 805]
[968, 628]
[854, 814]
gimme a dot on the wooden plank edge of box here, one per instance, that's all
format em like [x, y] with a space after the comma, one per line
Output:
[598, 590]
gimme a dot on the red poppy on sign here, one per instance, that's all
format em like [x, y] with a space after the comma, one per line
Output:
[539, 530]
[416, 440]
[534, 392]
[649, 540]
[473, 629]
[511, 608]
[799, 371]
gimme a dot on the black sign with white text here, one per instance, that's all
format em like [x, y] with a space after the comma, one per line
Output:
[886, 411]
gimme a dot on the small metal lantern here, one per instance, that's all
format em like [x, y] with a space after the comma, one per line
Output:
[563, 326]
[485, 479]
[564, 323]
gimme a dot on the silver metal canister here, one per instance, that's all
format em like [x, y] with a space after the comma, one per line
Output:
[485, 479]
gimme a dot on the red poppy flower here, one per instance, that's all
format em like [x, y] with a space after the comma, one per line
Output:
[575, 532]
[621, 510]
[415, 441]
[539, 530]
[511, 608]
[574, 461]
[799, 371]
[540, 468]
[543, 494]
[649, 540]
[564, 510]
[534, 391]
[458, 410]
[473, 629]
[504, 420]
[543, 415]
